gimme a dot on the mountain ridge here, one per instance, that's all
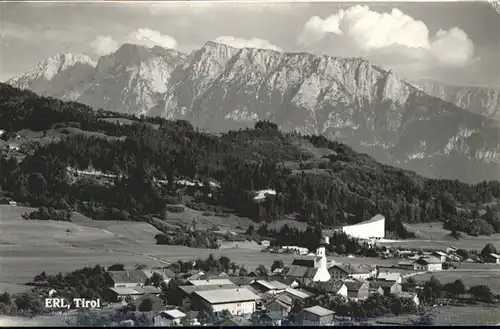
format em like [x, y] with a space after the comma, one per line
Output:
[219, 87]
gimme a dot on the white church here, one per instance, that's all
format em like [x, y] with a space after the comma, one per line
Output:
[312, 269]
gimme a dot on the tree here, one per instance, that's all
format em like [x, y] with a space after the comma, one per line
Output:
[116, 267]
[156, 279]
[243, 271]
[488, 249]
[261, 270]
[433, 289]
[277, 264]
[139, 267]
[481, 292]
[146, 305]
[225, 314]
[28, 302]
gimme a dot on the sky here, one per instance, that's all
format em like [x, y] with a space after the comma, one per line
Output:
[453, 42]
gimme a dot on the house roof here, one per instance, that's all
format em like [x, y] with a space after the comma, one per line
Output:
[428, 260]
[127, 276]
[297, 293]
[389, 276]
[284, 299]
[440, 253]
[236, 321]
[240, 280]
[382, 284]
[272, 285]
[353, 285]
[303, 262]
[211, 282]
[190, 289]
[318, 310]
[354, 268]
[495, 255]
[126, 291]
[222, 296]
[148, 289]
[171, 314]
[297, 271]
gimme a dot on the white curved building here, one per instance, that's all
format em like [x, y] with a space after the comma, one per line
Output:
[373, 228]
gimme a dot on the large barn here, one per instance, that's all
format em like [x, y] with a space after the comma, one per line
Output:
[370, 229]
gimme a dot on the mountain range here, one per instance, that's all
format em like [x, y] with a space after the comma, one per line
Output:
[434, 129]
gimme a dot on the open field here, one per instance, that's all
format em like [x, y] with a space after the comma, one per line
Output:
[432, 235]
[125, 121]
[32, 246]
[470, 277]
[453, 315]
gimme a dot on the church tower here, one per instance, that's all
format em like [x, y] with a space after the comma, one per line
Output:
[321, 261]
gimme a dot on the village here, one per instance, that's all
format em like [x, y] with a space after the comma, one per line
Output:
[183, 294]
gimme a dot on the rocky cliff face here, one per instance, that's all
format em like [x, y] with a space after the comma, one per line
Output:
[349, 99]
[130, 80]
[480, 100]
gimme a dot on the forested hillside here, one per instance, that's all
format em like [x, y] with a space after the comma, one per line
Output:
[319, 181]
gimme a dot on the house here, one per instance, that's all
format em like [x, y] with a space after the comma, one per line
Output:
[269, 319]
[237, 321]
[126, 279]
[184, 294]
[406, 265]
[265, 244]
[343, 271]
[297, 294]
[357, 289]
[492, 258]
[411, 296]
[121, 294]
[210, 282]
[440, 255]
[168, 318]
[333, 286]
[311, 270]
[238, 301]
[390, 276]
[429, 264]
[315, 316]
[166, 274]
[451, 249]
[388, 287]
[271, 287]
[280, 304]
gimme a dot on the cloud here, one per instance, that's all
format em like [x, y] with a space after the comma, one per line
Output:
[151, 38]
[104, 45]
[374, 33]
[247, 43]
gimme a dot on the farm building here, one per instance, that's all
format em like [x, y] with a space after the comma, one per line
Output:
[390, 276]
[271, 287]
[168, 318]
[315, 316]
[343, 271]
[373, 228]
[238, 301]
[387, 287]
[280, 304]
[440, 255]
[429, 264]
[357, 290]
[126, 279]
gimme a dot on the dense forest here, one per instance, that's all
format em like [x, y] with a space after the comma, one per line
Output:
[339, 187]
